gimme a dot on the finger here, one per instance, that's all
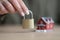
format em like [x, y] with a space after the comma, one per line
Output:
[24, 7]
[17, 6]
[8, 6]
[2, 13]
[2, 8]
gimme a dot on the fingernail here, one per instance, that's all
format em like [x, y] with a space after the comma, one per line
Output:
[22, 14]
[27, 12]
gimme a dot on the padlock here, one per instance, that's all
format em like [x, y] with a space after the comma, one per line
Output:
[28, 23]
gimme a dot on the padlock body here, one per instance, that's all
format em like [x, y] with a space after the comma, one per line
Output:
[28, 23]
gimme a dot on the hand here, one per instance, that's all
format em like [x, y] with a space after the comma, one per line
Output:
[12, 6]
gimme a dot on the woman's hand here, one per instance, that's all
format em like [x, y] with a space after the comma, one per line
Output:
[13, 6]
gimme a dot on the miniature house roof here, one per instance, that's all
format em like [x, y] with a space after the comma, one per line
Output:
[47, 20]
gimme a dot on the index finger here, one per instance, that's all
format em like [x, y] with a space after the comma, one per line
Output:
[24, 7]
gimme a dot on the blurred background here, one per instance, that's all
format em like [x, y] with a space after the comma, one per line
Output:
[40, 8]
[45, 8]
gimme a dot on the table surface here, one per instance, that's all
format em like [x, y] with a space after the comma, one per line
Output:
[17, 33]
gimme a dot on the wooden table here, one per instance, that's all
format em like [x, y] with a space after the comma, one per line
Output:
[17, 33]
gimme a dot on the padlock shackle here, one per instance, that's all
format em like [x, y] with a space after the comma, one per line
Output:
[30, 12]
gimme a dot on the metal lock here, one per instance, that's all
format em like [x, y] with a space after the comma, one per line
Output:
[28, 23]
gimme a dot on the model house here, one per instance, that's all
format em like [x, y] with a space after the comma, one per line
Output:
[45, 23]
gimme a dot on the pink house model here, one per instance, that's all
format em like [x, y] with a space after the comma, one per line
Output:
[45, 23]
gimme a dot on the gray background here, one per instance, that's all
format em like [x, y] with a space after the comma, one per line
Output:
[40, 8]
